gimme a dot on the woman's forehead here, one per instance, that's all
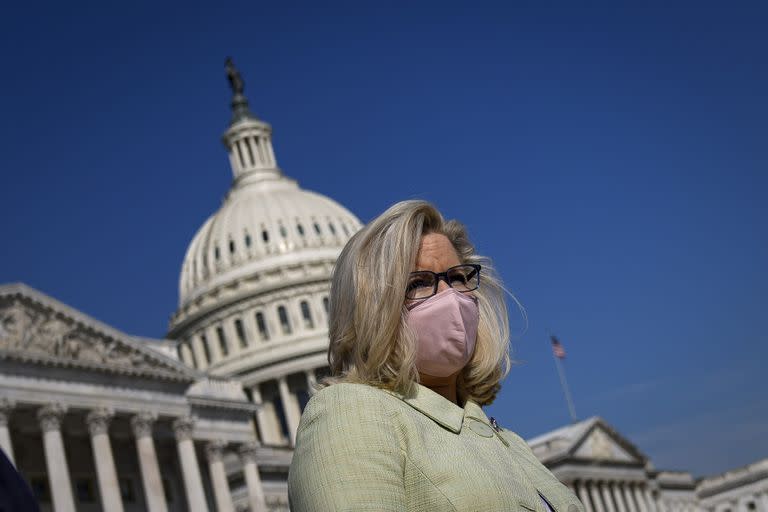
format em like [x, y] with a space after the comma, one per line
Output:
[436, 253]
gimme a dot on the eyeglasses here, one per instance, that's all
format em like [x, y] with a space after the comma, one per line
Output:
[423, 284]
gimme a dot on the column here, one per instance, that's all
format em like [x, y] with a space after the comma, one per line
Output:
[640, 498]
[311, 381]
[649, 500]
[215, 452]
[291, 409]
[252, 479]
[762, 498]
[6, 406]
[595, 495]
[581, 490]
[55, 459]
[266, 417]
[98, 425]
[150, 470]
[617, 497]
[214, 345]
[196, 344]
[233, 340]
[606, 495]
[193, 483]
[625, 487]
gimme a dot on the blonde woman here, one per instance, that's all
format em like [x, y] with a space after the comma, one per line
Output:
[419, 342]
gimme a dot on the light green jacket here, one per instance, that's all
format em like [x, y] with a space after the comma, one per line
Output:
[360, 448]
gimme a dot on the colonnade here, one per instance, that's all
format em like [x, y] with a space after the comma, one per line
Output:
[616, 496]
[98, 421]
[267, 415]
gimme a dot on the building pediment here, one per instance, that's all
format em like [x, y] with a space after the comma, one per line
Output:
[600, 444]
[590, 440]
[39, 329]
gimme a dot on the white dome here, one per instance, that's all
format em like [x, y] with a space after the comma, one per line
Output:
[263, 223]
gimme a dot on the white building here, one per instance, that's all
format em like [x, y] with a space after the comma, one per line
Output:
[205, 420]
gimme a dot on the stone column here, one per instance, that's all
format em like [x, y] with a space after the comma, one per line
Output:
[606, 495]
[640, 497]
[628, 497]
[214, 345]
[763, 499]
[193, 483]
[581, 490]
[291, 409]
[649, 500]
[266, 417]
[594, 493]
[6, 406]
[196, 344]
[98, 425]
[55, 459]
[617, 497]
[311, 381]
[252, 480]
[215, 452]
[150, 470]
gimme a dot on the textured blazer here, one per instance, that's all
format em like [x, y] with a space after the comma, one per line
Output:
[360, 448]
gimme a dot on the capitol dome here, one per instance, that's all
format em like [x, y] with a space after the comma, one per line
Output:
[255, 280]
[266, 220]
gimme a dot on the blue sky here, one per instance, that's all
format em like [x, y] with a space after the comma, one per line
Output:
[611, 160]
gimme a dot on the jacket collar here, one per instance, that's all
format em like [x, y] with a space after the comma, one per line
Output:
[440, 409]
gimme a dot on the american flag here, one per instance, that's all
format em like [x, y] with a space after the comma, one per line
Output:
[557, 348]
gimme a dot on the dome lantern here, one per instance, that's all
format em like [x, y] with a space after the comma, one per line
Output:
[248, 140]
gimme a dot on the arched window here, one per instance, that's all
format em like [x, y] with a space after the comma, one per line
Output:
[240, 331]
[317, 228]
[265, 235]
[222, 341]
[247, 240]
[306, 315]
[261, 325]
[232, 246]
[300, 229]
[332, 228]
[326, 305]
[282, 314]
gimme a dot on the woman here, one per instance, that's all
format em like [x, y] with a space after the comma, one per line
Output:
[417, 346]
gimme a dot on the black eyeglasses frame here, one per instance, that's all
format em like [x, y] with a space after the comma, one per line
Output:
[444, 276]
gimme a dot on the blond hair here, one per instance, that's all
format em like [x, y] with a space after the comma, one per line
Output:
[370, 341]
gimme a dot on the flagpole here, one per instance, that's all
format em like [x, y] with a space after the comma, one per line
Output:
[566, 391]
[558, 355]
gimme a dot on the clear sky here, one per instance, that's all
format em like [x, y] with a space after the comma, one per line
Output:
[613, 162]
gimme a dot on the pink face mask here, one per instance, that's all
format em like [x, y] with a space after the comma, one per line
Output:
[446, 330]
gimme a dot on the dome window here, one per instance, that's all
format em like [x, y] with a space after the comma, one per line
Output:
[216, 253]
[283, 231]
[284, 321]
[261, 325]
[222, 341]
[232, 246]
[300, 229]
[326, 305]
[206, 349]
[240, 333]
[265, 236]
[332, 228]
[317, 229]
[306, 315]
[247, 240]
[344, 227]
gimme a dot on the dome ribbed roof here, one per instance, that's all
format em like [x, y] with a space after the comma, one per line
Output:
[260, 225]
